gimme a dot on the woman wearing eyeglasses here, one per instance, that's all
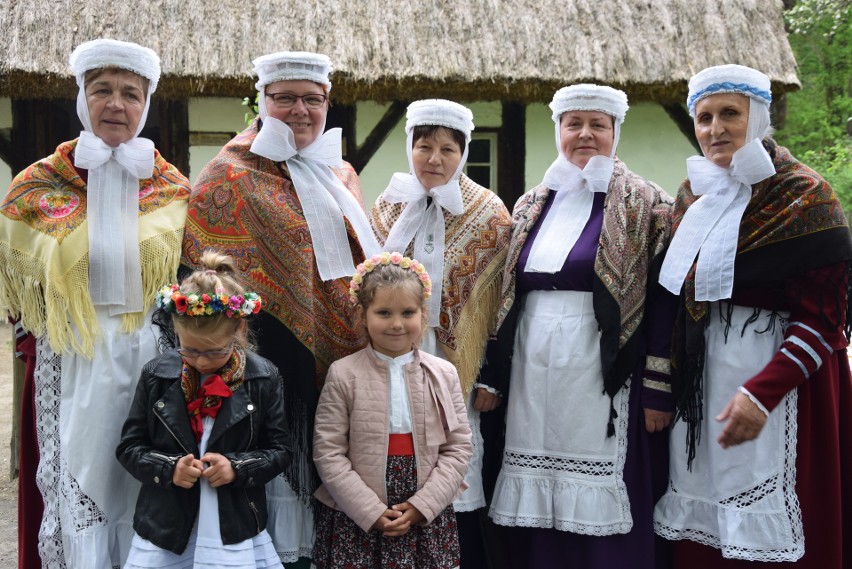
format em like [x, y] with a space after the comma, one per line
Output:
[279, 199]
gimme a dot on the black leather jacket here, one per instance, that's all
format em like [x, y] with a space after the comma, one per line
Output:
[249, 430]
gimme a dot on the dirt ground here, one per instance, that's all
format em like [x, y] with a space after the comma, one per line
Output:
[8, 488]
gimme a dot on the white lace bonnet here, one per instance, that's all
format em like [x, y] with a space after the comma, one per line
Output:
[439, 112]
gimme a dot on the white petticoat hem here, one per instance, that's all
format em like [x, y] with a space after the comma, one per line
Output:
[564, 505]
[98, 546]
[289, 522]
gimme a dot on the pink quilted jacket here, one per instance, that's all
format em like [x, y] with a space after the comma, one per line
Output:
[351, 435]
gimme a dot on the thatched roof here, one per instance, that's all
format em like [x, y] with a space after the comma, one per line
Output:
[382, 50]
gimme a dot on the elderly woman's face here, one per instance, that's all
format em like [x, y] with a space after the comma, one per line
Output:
[435, 158]
[116, 99]
[721, 122]
[304, 110]
[584, 134]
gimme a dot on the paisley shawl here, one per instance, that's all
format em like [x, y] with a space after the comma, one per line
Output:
[245, 206]
[44, 247]
[633, 237]
[792, 224]
[476, 242]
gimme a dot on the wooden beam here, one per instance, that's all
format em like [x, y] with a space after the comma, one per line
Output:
[343, 117]
[173, 121]
[683, 121]
[512, 153]
[378, 135]
[7, 151]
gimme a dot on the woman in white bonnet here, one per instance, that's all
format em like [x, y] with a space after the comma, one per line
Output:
[281, 201]
[761, 473]
[589, 403]
[459, 230]
[87, 236]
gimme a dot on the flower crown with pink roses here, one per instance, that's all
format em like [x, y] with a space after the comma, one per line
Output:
[384, 259]
[173, 301]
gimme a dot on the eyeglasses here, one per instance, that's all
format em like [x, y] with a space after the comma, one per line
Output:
[210, 355]
[288, 100]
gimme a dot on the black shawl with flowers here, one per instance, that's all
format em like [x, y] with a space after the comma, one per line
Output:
[792, 224]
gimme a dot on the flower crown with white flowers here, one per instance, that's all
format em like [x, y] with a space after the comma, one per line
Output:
[173, 301]
[384, 259]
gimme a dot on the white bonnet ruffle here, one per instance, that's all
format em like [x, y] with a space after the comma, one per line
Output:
[292, 66]
[588, 97]
[729, 79]
[101, 53]
[439, 112]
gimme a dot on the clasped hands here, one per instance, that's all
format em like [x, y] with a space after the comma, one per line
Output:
[397, 520]
[213, 466]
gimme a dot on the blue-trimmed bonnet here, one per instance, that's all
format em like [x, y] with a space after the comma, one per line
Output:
[728, 79]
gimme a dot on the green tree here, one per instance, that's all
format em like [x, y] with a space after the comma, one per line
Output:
[818, 116]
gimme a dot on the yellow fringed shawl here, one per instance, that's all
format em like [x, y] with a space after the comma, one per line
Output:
[44, 265]
[476, 247]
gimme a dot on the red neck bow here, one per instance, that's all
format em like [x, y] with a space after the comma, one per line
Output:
[207, 403]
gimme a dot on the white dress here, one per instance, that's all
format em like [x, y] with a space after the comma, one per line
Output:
[205, 549]
[473, 497]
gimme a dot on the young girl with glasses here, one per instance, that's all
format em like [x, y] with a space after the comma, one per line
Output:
[391, 438]
[206, 432]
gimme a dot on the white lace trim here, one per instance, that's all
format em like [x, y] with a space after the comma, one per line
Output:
[47, 385]
[74, 530]
[738, 504]
[558, 488]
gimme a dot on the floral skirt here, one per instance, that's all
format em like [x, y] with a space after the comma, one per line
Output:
[341, 544]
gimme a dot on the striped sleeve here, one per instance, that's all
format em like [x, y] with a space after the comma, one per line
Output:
[814, 332]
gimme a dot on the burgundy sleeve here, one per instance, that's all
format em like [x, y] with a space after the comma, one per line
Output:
[814, 332]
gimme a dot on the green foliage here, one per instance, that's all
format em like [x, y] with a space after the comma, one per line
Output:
[815, 130]
[834, 163]
[251, 111]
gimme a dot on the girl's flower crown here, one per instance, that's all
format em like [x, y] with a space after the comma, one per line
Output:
[394, 258]
[173, 301]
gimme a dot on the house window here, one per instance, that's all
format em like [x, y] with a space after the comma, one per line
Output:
[481, 164]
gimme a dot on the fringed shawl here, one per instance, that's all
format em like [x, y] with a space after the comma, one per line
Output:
[475, 253]
[633, 237]
[245, 206]
[44, 244]
[792, 224]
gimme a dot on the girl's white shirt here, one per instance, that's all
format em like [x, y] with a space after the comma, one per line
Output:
[399, 418]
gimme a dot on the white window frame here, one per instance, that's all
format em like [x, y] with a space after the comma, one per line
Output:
[492, 159]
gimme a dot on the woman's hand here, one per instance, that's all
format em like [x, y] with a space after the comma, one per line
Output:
[385, 519]
[745, 421]
[485, 400]
[187, 471]
[657, 420]
[400, 526]
[219, 470]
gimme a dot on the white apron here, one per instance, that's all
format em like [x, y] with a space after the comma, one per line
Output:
[742, 499]
[81, 405]
[560, 470]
